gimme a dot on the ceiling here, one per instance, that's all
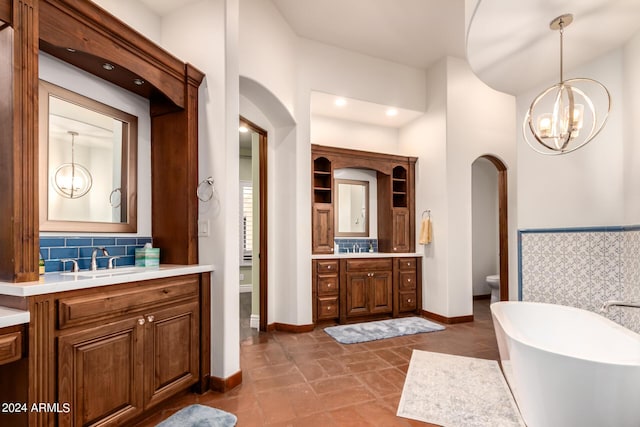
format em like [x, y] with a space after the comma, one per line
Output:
[509, 45]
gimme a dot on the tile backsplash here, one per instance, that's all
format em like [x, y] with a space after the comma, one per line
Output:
[347, 245]
[582, 268]
[54, 248]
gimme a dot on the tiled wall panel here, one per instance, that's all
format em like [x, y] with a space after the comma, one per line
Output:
[583, 268]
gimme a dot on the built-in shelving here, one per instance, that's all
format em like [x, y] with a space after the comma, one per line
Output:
[322, 180]
[399, 187]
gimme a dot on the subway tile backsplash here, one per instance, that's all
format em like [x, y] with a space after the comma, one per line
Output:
[583, 268]
[53, 249]
[347, 245]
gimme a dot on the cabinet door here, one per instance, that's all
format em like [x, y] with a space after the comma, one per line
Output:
[357, 294]
[322, 223]
[171, 351]
[380, 292]
[100, 373]
[400, 225]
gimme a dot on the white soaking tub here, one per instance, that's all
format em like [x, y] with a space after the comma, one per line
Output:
[567, 366]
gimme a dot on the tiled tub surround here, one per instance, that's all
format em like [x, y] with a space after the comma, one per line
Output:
[53, 249]
[582, 268]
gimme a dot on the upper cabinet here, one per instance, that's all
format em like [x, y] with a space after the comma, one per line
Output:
[88, 37]
[395, 197]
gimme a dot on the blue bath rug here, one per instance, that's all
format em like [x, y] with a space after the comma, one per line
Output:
[371, 331]
[199, 416]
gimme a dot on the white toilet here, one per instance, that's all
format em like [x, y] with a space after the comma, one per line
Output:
[494, 283]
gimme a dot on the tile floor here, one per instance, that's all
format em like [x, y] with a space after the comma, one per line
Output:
[311, 380]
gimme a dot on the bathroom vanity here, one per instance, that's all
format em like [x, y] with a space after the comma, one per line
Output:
[357, 286]
[106, 346]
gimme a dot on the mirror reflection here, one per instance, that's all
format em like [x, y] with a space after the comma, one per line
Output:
[87, 163]
[352, 214]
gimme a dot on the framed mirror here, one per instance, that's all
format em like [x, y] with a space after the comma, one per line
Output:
[352, 208]
[87, 165]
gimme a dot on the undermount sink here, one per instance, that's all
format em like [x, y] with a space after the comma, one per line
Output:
[107, 272]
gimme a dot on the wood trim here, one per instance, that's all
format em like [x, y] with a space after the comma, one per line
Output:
[503, 225]
[42, 358]
[5, 13]
[205, 333]
[446, 320]
[295, 329]
[223, 385]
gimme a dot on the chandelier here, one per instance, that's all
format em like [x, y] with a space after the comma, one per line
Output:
[563, 117]
[72, 180]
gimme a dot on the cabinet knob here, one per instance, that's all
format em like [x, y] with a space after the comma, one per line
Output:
[409, 280]
[409, 300]
[395, 249]
[408, 264]
[328, 267]
[150, 318]
[328, 307]
[329, 285]
[331, 249]
[141, 321]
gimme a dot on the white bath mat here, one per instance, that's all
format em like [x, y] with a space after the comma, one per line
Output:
[456, 391]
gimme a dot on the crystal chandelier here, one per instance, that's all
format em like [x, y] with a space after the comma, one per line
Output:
[563, 117]
[72, 180]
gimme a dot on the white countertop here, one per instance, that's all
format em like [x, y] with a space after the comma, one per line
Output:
[367, 255]
[60, 282]
[11, 317]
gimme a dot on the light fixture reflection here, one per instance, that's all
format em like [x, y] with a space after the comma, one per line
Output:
[72, 180]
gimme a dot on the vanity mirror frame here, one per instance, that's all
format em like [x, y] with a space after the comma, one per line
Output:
[128, 167]
[337, 232]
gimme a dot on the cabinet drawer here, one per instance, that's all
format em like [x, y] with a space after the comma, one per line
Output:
[112, 303]
[407, 301]
[407, 280]
[10, 347]
[327, 266]
[328, 284]
[327, 307]
[369, 264]
[407, 263]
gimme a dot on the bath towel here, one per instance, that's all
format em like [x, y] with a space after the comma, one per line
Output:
[425, 231]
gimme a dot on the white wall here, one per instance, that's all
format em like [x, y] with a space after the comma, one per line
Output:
[359, 136]
[136, 15]
[583, 188]
[446, 151]
[62, 74]
[485, 234]
[631, 130]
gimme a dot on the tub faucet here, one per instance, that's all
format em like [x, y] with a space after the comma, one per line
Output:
[94, 264]
[606, 305]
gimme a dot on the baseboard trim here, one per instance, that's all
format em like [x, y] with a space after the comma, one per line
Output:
[254, 321]
[223, 385]
[481, 297]
[285, 327]
[446, 320]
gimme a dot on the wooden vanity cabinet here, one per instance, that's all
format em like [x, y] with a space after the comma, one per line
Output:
[368, 287]
[409, 289]
[325, 289]
[123, 350]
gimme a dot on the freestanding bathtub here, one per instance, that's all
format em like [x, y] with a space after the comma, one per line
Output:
[568, 367]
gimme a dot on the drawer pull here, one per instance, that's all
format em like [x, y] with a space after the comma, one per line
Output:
[328, 307]
[328, 267]
[409, 300]
[408, 264]
[409, 280]
[141, 321]
[329, 285]
[151, 318]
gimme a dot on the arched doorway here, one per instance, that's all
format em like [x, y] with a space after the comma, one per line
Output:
[502, 221]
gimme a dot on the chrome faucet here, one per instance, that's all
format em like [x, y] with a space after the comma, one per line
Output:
[94, 264]
[606, 305]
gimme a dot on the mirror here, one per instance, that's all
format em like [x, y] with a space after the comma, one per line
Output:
[88, 164]
[352, 213]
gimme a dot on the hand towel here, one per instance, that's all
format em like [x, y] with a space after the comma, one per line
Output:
[425, 231]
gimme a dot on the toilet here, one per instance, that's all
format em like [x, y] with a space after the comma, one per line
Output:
[494, 283]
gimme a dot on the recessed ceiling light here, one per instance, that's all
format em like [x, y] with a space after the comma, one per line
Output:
[138, 82]
[340, 102]
[71, 50]
[108, 66]
[392, 112]
[243, 129]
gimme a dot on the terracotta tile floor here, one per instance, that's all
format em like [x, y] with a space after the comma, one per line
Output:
[311, 380]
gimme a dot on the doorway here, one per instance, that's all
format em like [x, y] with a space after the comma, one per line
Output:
[490, 253]
[253, 228]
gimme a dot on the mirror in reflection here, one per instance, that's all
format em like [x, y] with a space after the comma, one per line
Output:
[87, 164]
[352, 214]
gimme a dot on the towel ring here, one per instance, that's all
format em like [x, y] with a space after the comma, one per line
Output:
[203, 196]
[428, 212]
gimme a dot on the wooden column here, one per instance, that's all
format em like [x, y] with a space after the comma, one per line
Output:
[19, 241]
